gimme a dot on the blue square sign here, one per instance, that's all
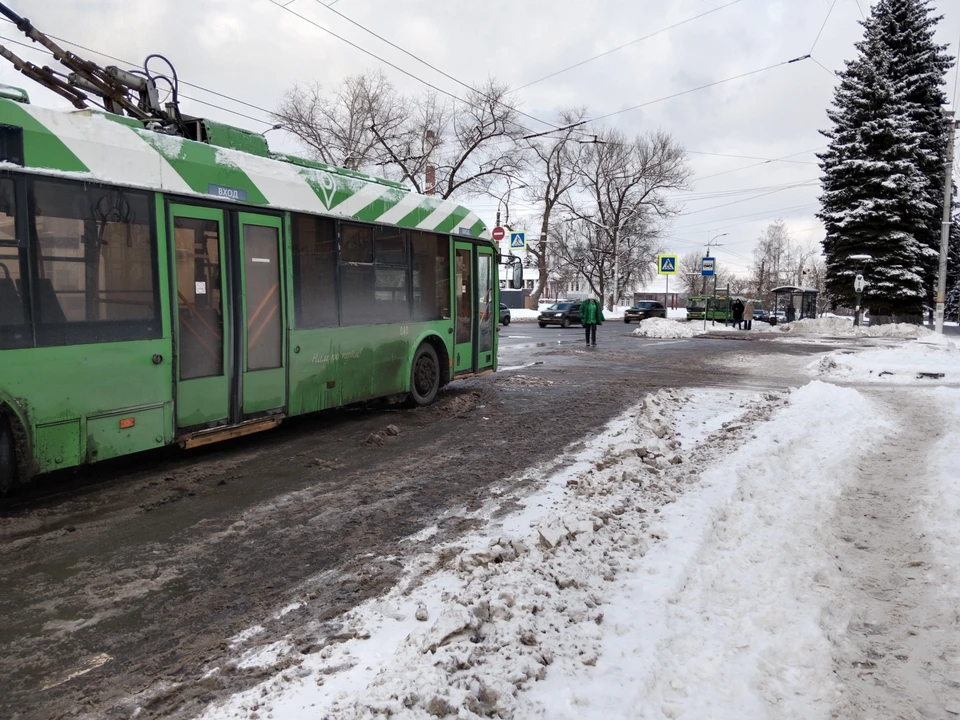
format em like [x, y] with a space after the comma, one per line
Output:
[666, 264]
[518, 240]
[708, 266]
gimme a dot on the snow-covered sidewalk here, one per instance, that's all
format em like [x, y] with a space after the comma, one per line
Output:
[708, 555]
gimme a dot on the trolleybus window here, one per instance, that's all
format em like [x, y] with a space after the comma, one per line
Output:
[14, 331]
[357, 275]
[261, 246]
[391, 298]
[431, 276]
[314, 272]
[96, 268]
[373, 274]
[464, 283]
[199, 298]
[485, 301]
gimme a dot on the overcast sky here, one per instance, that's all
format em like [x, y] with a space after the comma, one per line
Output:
[253, 50]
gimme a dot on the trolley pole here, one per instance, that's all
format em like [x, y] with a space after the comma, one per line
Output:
[945, 225]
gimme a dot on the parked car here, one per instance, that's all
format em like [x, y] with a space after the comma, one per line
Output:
[759, 314]
[644, 309]
[504, 314]
[563, 314]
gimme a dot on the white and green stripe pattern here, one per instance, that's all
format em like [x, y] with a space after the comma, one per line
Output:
[103, 148]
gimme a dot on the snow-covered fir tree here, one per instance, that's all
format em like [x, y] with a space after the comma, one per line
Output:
[898, 47]
[874, 198]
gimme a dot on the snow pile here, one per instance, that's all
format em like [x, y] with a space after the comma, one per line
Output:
[523, 315]
[519, 600]
[941, 508]
[646, 578]
[933, 358]
[532, 596]
[843, 327]
[660, 328]
[746, 630]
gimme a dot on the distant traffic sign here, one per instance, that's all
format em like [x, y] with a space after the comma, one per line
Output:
[859, 283]
[666, 264]
[518, 240]
[708, 266]
[499, 233]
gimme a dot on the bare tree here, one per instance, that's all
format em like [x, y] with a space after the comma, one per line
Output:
[693, 283]
[689, 277]
[778, 260]
[337, 128]
[469, 145]
[621, 195]
[554, 172]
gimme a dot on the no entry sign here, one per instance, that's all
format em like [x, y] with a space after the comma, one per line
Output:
[499, 233]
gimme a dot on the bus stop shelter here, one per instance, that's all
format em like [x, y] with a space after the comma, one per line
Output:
[796, 303]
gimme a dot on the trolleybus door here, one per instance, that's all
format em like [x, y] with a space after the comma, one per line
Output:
[264, 378]
[465, 296]
[203, 318]
[488, 309]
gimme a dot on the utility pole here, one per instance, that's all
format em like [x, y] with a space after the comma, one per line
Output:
[945, 225]
[616, 266]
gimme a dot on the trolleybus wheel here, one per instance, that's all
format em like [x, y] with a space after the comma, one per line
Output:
[424, 376]
[8, 458]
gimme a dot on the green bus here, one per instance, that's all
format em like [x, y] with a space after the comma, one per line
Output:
[156, 289]
[697, 306]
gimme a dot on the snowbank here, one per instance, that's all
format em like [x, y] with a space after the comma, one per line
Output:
[941, 508]
[660, 328]
[843, 327]
[918, 362]
[644, 578]
[523, 315]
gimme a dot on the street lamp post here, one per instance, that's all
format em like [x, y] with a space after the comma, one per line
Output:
[707, 254]
[859, 284]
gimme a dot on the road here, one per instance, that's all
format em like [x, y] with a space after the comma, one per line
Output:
[123, 582]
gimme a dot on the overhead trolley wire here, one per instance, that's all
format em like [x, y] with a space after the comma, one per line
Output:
[817, 39]
[621, 47]
[700, 87]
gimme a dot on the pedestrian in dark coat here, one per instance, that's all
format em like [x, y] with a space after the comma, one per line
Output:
[591, 315]
[738, 314]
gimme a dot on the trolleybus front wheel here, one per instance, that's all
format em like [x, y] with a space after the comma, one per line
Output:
[424, 376]
[8, 457]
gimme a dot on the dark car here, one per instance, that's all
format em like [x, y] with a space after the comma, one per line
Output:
[504, 314]
[644, 309]
[759, 314]
[563, 314]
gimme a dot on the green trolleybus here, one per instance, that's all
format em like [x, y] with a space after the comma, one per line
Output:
[156, 289]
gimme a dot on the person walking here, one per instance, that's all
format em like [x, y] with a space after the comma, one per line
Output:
[591, 315]
[738, 314]
[748, 315]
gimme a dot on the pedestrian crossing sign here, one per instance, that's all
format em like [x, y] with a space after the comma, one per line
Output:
[666, 264]
[518, 240]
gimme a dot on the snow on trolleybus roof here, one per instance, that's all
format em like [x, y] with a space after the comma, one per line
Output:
[102, 147]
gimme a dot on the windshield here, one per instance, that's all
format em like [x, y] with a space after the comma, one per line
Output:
[642, 306]
[696, 304]
[560, 306]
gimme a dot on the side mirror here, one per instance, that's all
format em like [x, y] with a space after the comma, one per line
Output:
[517, 281]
